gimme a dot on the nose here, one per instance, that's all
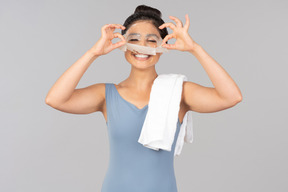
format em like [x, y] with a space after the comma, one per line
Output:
[142, 42]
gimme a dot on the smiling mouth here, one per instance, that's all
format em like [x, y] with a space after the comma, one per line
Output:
[141, 57]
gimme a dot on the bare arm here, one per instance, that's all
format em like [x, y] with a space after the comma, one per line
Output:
[63, 95]
[64, 87]
[209, 99]
[197, 97]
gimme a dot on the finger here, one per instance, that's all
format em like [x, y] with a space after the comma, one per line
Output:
[104, 27]
[170, 25]
[167, 37]
[170, 46]
[187, 24]
[177, 21]
[112, 26]
[118, 35]
[107, 27]
[119, 43]
[118, 26]
[121, 26]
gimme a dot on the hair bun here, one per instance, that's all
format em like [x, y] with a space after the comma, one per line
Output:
[148, 9]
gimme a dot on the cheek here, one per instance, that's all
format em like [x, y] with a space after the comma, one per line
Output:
[157, 55]
[127, 54]
[156, 58]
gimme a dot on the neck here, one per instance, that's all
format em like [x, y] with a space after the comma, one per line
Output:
[141, 79]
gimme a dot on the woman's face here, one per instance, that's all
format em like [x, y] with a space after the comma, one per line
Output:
[143, 28]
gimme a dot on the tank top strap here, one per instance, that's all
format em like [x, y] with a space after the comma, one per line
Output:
[118, 108]
[114, 105]
[107, 93]
[111, 95]
[110, 100]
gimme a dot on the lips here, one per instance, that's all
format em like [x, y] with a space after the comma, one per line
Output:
[141, 57]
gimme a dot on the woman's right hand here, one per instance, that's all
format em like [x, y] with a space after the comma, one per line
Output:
[104, 44]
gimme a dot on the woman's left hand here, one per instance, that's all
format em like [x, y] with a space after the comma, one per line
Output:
[183, 40]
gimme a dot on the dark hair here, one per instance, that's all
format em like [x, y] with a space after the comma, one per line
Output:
[143, 12]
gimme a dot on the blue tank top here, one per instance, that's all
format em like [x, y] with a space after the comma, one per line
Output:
[132, 166]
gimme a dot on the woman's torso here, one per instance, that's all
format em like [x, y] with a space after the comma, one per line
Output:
[133, 167]
[182, 111]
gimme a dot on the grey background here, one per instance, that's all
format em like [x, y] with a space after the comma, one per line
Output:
[240, 149]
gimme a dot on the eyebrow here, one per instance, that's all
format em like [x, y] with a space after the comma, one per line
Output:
[152, 35]
[148, 35]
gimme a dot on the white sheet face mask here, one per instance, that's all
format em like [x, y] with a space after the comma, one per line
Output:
[152, 44]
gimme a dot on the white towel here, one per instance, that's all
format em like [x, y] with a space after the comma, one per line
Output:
[160, 124]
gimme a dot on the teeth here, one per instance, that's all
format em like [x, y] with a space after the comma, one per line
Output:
[142, 56]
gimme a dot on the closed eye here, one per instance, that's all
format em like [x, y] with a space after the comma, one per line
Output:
[133, 40]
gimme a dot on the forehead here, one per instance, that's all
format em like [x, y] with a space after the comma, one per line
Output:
[139, 35]
[143, 27]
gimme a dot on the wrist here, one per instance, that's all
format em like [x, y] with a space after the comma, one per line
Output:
[196, 48]
[93, 53]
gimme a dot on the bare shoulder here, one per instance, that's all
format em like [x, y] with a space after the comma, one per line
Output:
[98, 89]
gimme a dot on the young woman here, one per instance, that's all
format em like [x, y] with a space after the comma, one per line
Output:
[133, 167]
